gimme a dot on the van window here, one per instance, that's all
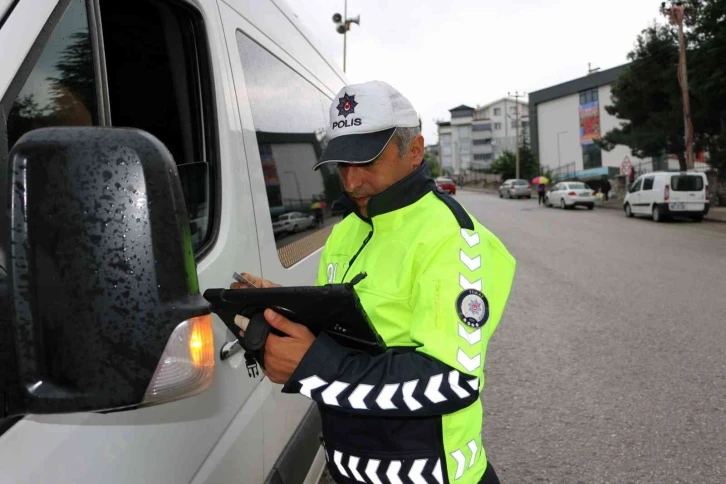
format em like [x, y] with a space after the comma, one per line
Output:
[159, 81]
[61, 87]
[165, 91]
[647, 184]
[686, 183]
[290, 116]
[636, 186]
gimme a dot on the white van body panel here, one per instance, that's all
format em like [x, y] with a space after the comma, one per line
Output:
[236, 430]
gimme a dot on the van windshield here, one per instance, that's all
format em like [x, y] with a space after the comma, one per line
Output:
[686, 183]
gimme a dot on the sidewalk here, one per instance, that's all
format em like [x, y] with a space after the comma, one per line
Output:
[715, 214]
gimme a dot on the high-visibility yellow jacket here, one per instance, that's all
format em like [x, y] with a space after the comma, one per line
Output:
[436, 287]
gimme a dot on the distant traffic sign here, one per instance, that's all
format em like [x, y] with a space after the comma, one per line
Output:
[626, 168]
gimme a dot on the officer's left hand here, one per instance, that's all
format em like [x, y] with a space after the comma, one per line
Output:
[283, 353]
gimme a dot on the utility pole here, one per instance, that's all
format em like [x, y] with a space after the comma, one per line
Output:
[516, 124]
[676, 13]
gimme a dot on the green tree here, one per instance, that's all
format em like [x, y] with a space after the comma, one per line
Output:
[506, 163]
[707, 76]
[433, 163]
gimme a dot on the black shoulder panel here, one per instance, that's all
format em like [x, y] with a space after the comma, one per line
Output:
[462, 217]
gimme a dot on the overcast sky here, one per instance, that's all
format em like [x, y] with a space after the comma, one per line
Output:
[442, 53]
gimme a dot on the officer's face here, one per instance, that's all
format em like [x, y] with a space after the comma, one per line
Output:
[363, 181]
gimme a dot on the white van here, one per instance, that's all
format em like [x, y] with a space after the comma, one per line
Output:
[664, 194]
[238, 93]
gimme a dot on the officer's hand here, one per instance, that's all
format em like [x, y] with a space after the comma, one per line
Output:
[283, 354]
[257, 281]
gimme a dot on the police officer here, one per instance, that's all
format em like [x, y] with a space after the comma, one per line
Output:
[436, 287]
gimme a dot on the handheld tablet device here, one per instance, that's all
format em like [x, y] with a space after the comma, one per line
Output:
[333, 308]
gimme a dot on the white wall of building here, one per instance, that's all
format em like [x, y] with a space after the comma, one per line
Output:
[554, 117]
[563, 114]
[445, 147]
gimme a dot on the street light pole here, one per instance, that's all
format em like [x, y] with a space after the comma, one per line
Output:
[297, 183]
[345, 34]
[559, 157]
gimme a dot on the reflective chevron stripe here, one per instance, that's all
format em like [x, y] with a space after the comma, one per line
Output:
[470, 363]
[395, 471]
[460, 458]
[338, 459]
[466, 284]
[353, 464]
[471, 240]
[414, 394]
[472, 338]
[472, 263]
[460, 463]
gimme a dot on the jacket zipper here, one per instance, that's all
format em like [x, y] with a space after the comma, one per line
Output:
[352, 260]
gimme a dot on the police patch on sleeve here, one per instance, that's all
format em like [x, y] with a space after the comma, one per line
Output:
[473, 308]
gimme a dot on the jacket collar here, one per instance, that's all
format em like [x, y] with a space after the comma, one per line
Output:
[403, 193]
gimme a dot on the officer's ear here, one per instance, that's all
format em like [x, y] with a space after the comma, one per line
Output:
[415, 152]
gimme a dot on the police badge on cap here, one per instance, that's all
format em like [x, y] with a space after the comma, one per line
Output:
[473, 308]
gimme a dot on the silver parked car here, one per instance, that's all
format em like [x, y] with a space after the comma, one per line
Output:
[515, 189]
[293, 222]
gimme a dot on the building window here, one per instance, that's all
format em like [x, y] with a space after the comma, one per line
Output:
[480, 142]
[525, 124]
[462, 113]
[290, 139]
[483, 157]
[514, 124]
[497, 111]
[589, 96]
[172, 76]
[497, 126]
[591, 156]
[482, 127]
[464, 132]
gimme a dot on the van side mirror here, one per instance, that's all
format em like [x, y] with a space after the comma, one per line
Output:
[102, 289]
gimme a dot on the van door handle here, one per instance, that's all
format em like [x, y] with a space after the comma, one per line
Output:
[229, 349]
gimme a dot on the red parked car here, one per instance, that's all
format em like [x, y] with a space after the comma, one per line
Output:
[447, 185]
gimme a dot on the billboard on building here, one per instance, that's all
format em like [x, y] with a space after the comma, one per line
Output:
[589, 122]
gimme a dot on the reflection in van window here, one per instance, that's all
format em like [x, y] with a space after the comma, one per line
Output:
[60, 90]
[686, 183]
[290, 115]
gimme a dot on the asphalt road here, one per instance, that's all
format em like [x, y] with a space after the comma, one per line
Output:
[610, 363]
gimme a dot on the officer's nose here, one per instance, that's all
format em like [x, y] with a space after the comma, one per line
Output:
[351, 176]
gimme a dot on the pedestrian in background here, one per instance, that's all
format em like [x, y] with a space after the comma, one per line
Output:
[541, 188]
[606, 187]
